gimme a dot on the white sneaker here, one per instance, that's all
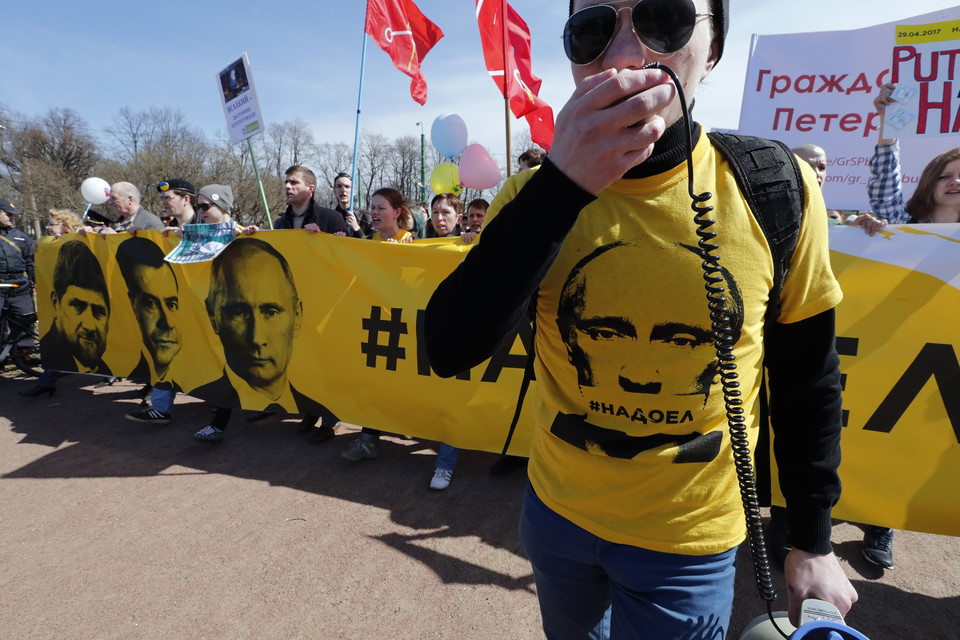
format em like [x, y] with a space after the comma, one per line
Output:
[209, 434]
[441, 479]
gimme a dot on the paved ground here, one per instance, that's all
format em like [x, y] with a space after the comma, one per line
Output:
[112, 529]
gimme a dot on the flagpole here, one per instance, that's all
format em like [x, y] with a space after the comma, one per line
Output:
[506, 82]
[356, 134]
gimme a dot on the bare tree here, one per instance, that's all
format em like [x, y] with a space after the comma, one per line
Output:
[43, 161]
[374, 161]
[332, 158]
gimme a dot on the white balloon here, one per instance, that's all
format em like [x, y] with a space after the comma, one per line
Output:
[95, 190]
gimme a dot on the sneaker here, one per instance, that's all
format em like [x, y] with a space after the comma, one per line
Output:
[209, 434]
[878, 546]
[324, 433]
[150, 415]
[259, 415]
[441, 479]
[359, 450]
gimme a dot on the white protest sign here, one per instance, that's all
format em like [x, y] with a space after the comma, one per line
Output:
[239, 98]
[923, 68]
[818, 88]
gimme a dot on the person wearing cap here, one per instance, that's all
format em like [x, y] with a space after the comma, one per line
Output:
[16, 266]
[632, 516]
[177, 197]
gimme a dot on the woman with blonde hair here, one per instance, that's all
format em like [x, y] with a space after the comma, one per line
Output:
[62, 221]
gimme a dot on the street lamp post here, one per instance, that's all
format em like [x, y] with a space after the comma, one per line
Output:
[423, 164]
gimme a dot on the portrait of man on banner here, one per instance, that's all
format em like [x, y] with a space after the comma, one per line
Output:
[77, 338]
[154, 294]
[256, 312]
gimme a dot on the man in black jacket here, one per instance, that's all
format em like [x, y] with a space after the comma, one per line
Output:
[303, 212]
[359, 223]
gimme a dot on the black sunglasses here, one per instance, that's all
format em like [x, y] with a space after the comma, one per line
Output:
[205, 206]
[663, 26]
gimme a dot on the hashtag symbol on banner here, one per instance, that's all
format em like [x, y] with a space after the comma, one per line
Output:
[394, 328]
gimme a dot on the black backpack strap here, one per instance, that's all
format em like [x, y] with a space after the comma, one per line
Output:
[769, 178]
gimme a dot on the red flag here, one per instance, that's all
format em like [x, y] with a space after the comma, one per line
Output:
[522, 86]
[399, 28]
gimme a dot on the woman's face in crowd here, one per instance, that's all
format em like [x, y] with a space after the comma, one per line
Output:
[444, 218]
[384, 216]
[947, 191]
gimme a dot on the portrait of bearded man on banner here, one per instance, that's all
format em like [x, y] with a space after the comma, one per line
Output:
[77, 338]
[256, 312]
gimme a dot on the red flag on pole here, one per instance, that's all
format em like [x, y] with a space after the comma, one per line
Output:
[399, 28]
[522, 87]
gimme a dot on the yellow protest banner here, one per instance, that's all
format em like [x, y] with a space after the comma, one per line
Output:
[898, 343]
[314, 323]
[298, 322]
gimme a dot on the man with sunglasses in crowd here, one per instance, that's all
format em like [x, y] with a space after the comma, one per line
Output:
[629, 543]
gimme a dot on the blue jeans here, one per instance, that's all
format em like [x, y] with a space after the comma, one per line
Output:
[162, 400]
[591, 588]
[447, 457]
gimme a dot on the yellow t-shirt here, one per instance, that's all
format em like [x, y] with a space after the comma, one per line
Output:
[400, 237]
[631, 441]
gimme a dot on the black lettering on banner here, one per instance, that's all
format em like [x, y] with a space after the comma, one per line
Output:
[394, 327]
[934, 360]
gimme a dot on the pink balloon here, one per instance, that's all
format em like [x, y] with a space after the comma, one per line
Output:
[477, 169]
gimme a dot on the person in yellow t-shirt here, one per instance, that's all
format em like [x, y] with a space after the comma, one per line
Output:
[632, 516]
[391, 215]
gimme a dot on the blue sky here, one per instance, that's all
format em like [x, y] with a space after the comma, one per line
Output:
[99, 57]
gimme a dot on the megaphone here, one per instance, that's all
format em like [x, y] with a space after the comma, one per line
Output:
[819, 620]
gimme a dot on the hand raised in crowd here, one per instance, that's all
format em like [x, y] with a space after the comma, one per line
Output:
[250, 230]
[312, 227]
[177, 231]
[610, 124]
[880, 103]
[468, 236]
[884, 98]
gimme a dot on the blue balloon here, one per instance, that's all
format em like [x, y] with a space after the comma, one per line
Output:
[449, 135]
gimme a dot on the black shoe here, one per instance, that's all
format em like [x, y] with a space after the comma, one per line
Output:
[152, 416]
[259, 415]
[878, 546]
[105, 383]
[507, 464]
[38, 391]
